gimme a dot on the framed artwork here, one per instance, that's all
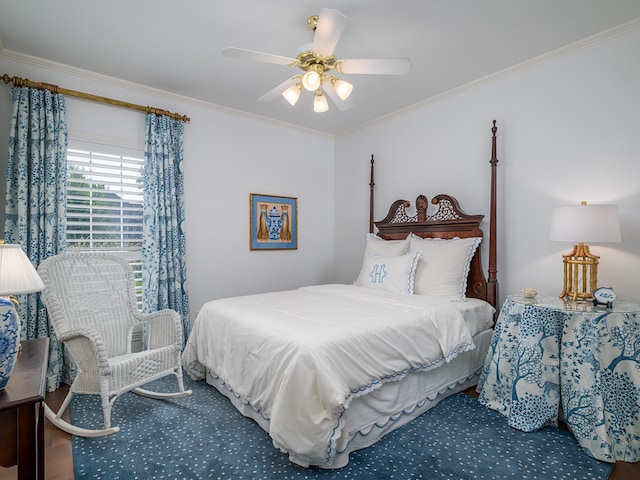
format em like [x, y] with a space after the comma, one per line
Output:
[273, 222]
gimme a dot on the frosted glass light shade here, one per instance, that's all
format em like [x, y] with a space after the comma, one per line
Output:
[311, 80]
[17, 274]
[320, 103]
[342, 88]
[292, 94]
[586, 224]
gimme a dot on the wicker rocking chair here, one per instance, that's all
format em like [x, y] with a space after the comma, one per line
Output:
[90, 299]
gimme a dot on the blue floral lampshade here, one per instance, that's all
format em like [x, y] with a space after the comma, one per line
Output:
[17, 276]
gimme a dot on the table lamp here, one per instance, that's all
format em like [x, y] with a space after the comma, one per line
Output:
[17, 276]
[581, 224]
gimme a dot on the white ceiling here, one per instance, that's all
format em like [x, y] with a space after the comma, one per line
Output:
[177, 46]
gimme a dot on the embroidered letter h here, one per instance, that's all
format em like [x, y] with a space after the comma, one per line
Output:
[378, 273]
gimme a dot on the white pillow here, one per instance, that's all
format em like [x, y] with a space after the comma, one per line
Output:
[386, 248]
[392, 274]
[383, 248]
[444, 266]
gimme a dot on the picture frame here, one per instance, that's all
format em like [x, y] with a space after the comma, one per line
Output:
[273, 222]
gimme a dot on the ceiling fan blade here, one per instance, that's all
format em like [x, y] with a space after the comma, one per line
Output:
[391, 66]
[257, 56]
[277, 91]
[341, 104]
[330, 26]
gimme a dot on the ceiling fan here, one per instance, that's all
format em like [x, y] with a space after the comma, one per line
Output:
[317, 61]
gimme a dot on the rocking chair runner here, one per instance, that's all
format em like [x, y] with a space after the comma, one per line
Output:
[90, 300]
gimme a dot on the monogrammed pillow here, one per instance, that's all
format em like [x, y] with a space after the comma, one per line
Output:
[383, 248]
[392, 274]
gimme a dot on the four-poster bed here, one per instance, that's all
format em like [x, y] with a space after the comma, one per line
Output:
[330, 369]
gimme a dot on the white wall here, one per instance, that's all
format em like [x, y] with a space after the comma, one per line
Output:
[227, 156]
[568, 130]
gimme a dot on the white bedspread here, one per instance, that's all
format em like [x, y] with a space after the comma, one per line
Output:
[300, 356]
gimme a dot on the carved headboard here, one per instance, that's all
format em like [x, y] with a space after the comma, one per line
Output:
[448, 221]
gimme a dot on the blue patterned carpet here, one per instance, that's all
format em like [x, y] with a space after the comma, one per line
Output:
[203, 436]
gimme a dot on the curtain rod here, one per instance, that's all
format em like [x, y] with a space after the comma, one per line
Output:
[24, 82]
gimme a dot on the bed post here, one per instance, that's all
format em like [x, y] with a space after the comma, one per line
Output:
[492, 285]
[371, 185]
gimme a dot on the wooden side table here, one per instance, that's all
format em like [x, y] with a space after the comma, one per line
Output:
[22, 411]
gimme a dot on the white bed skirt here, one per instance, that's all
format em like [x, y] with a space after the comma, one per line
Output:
[372, 416]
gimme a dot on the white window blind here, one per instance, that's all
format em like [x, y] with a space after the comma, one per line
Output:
[104, 205]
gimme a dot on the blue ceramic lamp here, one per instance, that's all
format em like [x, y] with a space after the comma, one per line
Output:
[17, 276]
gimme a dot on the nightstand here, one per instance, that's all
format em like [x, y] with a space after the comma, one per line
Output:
[550, 359]
[22, 411]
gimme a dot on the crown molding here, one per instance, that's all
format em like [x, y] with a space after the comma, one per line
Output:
[142, 89]
[172, 97]
[512, 70]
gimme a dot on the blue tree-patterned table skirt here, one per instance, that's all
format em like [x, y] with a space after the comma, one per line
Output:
[553, 359]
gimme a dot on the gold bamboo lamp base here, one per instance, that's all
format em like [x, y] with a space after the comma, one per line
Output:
[580, 273]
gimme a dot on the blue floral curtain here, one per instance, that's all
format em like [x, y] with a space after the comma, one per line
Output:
[163, 244]
[36, 203]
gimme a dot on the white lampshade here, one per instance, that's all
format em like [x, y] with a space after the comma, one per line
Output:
[311, 80]
[320, 103]
[586, 223]
[342, 88]
[292, 94]
[17, 274]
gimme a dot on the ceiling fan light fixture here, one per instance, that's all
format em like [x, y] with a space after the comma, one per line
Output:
[320, 103]
[311, 80]
[317, 61]
[292, 94]
[342, 88]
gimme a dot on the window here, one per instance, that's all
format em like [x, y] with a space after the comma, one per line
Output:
[104, 204]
